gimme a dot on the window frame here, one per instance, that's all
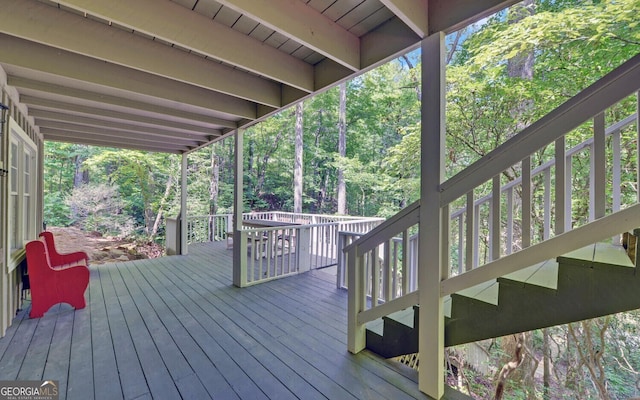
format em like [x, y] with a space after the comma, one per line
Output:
[23, 163]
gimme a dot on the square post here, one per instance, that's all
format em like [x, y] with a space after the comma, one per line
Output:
[183, 204]
[430, 274]
[239, 240]
[303, 250]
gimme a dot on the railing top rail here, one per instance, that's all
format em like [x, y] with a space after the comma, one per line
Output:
[615, 86]
[616, 127]
[405, 219]
[292, 226]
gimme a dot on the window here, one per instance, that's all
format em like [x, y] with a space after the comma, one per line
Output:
[22, 184]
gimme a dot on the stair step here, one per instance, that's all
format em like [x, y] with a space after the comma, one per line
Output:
[600, 253]
[487, 292]
[595, 280]
[543, 274]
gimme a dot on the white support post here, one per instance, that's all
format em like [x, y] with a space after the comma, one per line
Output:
[431, 341]
[183, 204]
[239, 257]
[356, 332]
[303, 249]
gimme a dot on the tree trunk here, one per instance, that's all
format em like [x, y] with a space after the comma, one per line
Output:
[512, 365]
[342, 149]
[297, 166]
[163, 201]
[546, 360]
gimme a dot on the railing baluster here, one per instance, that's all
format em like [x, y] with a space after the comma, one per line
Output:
[638, 147]
[495, 219]
[406, 254]
[546, 233]
[460, 244]
[387, 271]
[560, 186]
[509, 244]
[599, 171]
[375, 277]
[469, 241]
[617, 170]
[526, 202]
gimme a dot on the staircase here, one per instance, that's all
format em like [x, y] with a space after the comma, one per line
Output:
[590, 282]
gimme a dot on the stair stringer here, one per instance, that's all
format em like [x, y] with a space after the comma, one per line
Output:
[584, 289]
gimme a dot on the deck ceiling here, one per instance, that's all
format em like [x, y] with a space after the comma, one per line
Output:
[171, 76]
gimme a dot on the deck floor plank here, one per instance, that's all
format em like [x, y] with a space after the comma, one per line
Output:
[133, 382]
[80, 379]
[298, 302]
[59, 357]
[106, 379]
[296, 373]
[155, 371]
[176, 327]
[236, 342]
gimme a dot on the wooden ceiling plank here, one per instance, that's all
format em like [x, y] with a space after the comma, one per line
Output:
[80, 35]
[168, 20]
[305, 25]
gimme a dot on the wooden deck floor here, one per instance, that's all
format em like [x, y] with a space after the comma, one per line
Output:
[175, 328]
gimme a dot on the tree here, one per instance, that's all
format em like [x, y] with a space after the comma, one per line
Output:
[342, 148]
[297, 166]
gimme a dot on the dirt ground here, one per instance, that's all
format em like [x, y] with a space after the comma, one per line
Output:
[102, 249]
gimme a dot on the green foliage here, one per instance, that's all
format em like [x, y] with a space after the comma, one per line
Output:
[56, 211]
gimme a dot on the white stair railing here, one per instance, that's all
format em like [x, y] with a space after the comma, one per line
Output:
[488, 238]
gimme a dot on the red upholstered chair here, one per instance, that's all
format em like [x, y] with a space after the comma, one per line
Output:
[62, 259]
[49, 286]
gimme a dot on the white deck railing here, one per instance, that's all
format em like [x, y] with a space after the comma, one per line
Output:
[504, 226]
[310, 242]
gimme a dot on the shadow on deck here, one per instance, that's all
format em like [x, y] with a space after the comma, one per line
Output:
[175, 327]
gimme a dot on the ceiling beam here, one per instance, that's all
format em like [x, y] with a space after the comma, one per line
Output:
[46, 118]
[414, 13]
[167, 20]
[38, 23]
[451, 15]
[42, 58]
[70, 137]
[305, 25]
[116, 135]
[37, 105]
[117, 101]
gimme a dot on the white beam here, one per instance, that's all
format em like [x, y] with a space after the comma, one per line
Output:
[38, 106]
[42, 58]
[305, 25]
[116, 134]
[450, 15]
[121, 47]
[140, 106]
[63, 136]
[168, 20]
[414, 13]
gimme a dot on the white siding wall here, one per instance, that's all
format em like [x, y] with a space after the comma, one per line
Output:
[28, 220]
